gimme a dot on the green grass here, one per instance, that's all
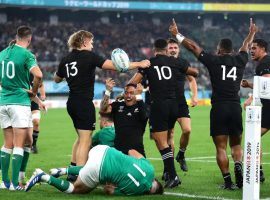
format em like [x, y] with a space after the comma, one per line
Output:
[57, 136]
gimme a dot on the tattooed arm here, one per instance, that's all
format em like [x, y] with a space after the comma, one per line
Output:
[105, 107]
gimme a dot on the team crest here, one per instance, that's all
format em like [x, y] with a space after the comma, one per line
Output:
[121, 109]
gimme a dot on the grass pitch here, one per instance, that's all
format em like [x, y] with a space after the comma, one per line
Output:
[200, 182]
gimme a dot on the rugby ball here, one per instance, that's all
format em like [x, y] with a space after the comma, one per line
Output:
[120, 60]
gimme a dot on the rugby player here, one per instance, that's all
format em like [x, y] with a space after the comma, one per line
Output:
[17, 62]
[78, 69]
[162, 76]
[126, 175]
[226, 70]
[258, 51]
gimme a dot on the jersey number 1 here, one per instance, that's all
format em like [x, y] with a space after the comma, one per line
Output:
[137, 183]
[10, 69]
[230, 74]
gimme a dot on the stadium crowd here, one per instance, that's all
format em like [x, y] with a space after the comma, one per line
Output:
[65, 47]
[141, 35]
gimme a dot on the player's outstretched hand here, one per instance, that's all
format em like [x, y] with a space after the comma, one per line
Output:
[252, 27]
[144, 63]
[173, 28]
[110, 83]
[245, 83]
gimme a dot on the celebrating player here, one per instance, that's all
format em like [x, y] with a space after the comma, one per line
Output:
[258, 53]
[226, 72]
[162, 77]
[183, 117]
[78, 68]
[129, 118]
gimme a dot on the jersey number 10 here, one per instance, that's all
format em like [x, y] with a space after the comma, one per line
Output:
[10, 69]
[161, 72]
[230, 74]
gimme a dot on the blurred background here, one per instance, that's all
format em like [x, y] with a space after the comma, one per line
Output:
[132, 26]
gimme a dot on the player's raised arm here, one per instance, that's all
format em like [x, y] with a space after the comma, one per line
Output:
[187, 43]
[191, 71]
[253, 29]
[108, 64]
[137, 78]
[104, 104]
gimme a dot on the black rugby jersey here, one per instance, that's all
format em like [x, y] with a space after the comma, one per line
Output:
[78, 68]
[162, 76]
[129, 123]
[226, 73]
[262, 68]
[181, 80]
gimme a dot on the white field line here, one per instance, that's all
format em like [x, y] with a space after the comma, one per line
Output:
[193, 196]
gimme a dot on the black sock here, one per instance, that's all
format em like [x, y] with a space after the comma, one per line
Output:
[238, 166]
[168, 160]
[181, 153]
[35, 137]
[72, 164]
[227, 178]
[261, 170]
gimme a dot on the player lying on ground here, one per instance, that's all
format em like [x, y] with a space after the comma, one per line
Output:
[127, 175]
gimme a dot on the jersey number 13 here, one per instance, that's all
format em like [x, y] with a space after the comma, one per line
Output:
[72, 70]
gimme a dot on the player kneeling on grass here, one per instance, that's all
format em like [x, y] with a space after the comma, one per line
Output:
[126, 175]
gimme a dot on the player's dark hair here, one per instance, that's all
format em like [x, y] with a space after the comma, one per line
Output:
[261, 43]
[160, 44]
[172, 41]
[23, 32]
[226, 45]
[108, 116]
[131, 85]
[160, 188]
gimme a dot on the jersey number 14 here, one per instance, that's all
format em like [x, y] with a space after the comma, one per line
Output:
[230, 74]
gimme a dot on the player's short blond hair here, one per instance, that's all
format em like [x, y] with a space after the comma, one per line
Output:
[76, 40]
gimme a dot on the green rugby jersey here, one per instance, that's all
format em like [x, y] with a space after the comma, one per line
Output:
[104, 136]
[16, 63]
[131, 176]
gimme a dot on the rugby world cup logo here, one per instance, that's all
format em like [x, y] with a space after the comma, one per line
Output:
[265, 87]
[248, 163]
